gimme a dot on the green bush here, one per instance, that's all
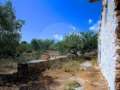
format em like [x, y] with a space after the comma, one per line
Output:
[71, 85]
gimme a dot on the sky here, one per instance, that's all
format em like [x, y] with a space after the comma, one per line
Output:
[52, 19]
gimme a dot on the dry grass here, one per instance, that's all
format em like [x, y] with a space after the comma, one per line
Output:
[71, 67]
[94, 61]
[70, 72]
[69, 76]
[7, 65]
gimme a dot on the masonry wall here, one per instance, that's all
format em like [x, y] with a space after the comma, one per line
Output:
[117, 13]
[107, 43]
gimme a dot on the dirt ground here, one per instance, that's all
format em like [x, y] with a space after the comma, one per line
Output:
[89, 79]
[56, 79]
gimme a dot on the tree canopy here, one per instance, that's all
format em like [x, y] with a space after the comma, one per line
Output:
[78, 43]
[10, 28]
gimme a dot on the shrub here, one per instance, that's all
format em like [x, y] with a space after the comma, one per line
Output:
[71, 85]
[71, 66]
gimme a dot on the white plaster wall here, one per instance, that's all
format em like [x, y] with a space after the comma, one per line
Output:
[107, 55]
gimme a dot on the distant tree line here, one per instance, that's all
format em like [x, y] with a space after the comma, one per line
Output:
[74, 43]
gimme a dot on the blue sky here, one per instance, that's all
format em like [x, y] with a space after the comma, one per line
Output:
[54, 18]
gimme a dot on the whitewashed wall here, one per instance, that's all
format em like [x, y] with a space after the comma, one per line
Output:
[107, 37]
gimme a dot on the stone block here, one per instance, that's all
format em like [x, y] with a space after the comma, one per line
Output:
[118, 59]
[118, 18]
[118, 52]
[117, 41]
[117, 12]
[118, 66]
[117, 86]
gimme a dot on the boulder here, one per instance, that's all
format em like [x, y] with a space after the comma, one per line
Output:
[86, 65]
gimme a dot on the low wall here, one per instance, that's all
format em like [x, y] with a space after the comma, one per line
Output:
[30, 71]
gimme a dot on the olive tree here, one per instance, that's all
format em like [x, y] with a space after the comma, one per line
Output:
[10, 28]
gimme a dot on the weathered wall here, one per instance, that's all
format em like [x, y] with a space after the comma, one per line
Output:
[117, 12]
[107, 38]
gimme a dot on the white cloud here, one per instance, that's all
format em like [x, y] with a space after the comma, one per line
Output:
[73, 28]
[58, 37]
[95, 27]
[90, 21]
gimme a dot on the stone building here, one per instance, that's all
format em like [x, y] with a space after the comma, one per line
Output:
[109, 43]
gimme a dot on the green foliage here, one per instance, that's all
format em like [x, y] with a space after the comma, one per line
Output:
[47, 44]
[89, 41]
[59, 46]
[71, 85]
[35, 44]
[9, 30]
[78, 43]
[41, 45]
[73, 44]
[24, 47]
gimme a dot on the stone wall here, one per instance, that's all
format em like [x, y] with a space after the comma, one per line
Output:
[30, 71]
[117, 13]
[107, 43]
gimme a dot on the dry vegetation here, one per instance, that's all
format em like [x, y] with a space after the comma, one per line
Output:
[71, 73]
[8, 65]
[67, 75]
